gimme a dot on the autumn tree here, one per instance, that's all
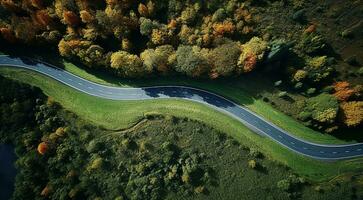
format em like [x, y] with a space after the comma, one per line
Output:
[42, 17]
[352, 113]
[252, 52]
[86, 16]
[223, 28]
[128, 65]
[8, 35]
[188, 16]
[343, 91]
[70, 18]
[143, 10]
[300, 75]
[160, 59]
[160, 36]
[43, 148]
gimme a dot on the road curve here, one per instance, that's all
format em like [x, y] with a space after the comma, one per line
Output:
[242, 114]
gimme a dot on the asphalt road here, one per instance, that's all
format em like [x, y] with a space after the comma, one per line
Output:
[248, 118]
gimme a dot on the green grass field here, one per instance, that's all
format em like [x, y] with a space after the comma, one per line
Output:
[122, 114]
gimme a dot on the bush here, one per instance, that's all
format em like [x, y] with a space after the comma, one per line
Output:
[255, 153]
[282, 94]
[252, 164]
[310, 91]
[284, 185]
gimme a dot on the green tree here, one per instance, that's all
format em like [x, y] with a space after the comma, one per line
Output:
[223, 59]
[323, 108]
[128, 65]
[191, 60]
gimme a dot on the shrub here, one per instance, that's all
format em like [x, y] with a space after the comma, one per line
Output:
[311, 91]
[304, 115]
[300, 75]
[284, 185]
[282, 94]
[254, 153]
[252, 164]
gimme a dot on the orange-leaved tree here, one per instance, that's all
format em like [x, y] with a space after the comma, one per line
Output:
[343, 91]
[352, 113]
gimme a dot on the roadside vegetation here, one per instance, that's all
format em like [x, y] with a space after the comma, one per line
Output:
[62, 156]
[118, 115]
[303, 50]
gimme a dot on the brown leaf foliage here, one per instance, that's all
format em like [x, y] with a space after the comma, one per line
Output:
[42, 148]
[143, 10]
[352, 113]
[86, 16]
[343, 91]
[223, 28]
[42, 17]
[8, 35]
[70, 18]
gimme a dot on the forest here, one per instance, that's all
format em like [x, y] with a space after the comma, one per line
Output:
[208, 40]
[61, 156]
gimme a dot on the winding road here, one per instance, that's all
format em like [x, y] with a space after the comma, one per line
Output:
[242, 114]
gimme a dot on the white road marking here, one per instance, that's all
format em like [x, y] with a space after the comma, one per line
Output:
[334, 152]
[292, 143]
[70, 79]
[268, 129]
[59, 74]
[347, 151]
[322, 152]
[280, 136]
[90, 88]
[79, 83]
[305, 148]
[359, 149]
